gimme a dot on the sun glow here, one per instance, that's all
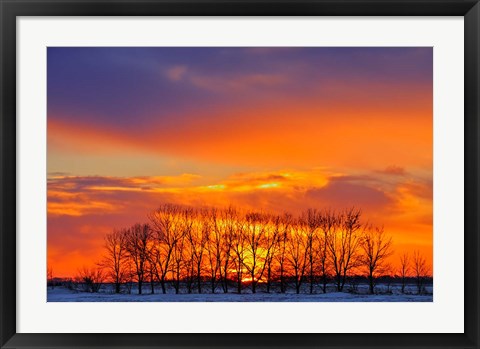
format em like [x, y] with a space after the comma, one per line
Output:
[248, 279]
[216, 187]
[268, 185]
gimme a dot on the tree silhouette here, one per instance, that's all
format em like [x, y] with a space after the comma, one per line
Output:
[214, 248]
[329, 223]
[167, 231]
[91, 279]
[297, 252]
[50, 277]
[229, 217]
[282, 226]
[404, 269]
[420, 271]
[344, 245]
[377, 247]
[115, 257]
[255, 259]
[311, 220]
[238, 250]
[137, 245]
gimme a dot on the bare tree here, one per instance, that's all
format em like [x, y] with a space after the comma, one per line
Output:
[238, 251]
[214, 248]
[271, 246]
[329, 223]
[181, 264]
[167, 231]
[178, 262]
[229, 217]
[282, 226]
[420, 271]
[189, 261]
[50, 277]
[312, 219]
[197, 239]
[256, 224]
[129, 275]
[344, 246]
[388, 272]
[115, 257]
[151, 270]
[377, 247]
[91, 279]
[297, 252]
[404, 269]
[138, 247]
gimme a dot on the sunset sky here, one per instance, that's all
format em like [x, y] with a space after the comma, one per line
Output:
[275, 129]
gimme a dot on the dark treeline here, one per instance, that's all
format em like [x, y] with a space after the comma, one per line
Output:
[220, 250]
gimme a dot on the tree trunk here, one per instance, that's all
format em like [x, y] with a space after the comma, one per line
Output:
[282, 281]
[339, 283]
[199, 283]
[311, 275]
[199, 278]
[371, 283]
[239, 284]
[252, 275]
[225, 277]
[162, 282]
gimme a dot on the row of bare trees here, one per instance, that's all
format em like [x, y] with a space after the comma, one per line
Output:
[414, 266]
[194, 247]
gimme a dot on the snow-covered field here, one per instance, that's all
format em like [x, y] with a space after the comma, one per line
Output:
[61, 294]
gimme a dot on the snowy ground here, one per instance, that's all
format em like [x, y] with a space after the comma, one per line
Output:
[61, 294]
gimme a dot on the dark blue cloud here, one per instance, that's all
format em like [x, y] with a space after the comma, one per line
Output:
[128, 87]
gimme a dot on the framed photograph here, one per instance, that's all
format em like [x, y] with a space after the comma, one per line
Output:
[300, 174]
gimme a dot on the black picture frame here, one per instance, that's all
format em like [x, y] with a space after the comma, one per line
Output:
[10, 10]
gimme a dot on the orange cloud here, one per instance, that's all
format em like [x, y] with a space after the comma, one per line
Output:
[394, 170]
[287, 136]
